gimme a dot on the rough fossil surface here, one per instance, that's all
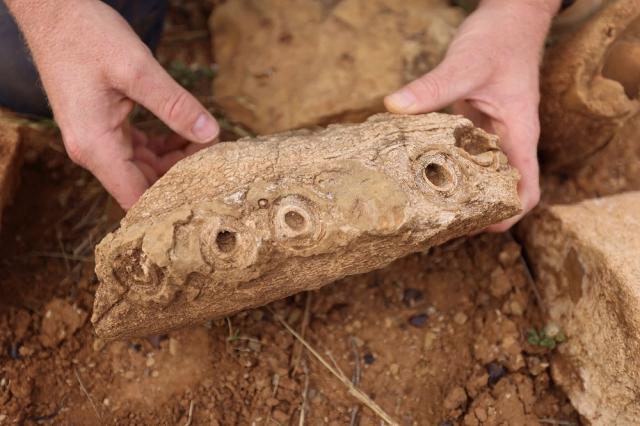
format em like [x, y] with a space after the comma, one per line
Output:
[590, 84]
[288, 64]
[9, 161]
[244, 223]
[585, 257]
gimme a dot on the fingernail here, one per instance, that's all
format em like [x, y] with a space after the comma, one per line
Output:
[205, 128]
[402, 99]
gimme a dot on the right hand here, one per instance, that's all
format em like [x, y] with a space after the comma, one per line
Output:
[94, 69]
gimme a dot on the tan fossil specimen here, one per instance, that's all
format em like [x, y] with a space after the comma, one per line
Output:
[244, 223]
[590, 84]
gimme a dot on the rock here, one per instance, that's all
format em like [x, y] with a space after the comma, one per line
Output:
[60, 321]
[10, 161]
[500, 283]
[291, 64]
[590, 85]
[456, 398]
[337, 202]
[585, 258]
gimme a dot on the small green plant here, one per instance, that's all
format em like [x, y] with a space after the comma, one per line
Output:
[548, 337]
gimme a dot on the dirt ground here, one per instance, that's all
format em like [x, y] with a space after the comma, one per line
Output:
[439, 338]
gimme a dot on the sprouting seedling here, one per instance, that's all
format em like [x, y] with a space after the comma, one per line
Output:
[548, 337]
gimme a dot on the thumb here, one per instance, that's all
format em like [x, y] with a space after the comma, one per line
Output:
[445, 84]
[171, 103]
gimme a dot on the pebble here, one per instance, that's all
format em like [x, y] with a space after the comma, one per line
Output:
[155, 373]
[394, 368]
[509, 254]
[457, 397]
[496, 372]
[369, 358]
[150, 361]
[460, 318]
[500, 283]
[3, 417]
[280, 417]
[98, 344]
[516, 308]
[418, 320]
[429, 340]
[129, 375]
[173, 346]
[106, 402]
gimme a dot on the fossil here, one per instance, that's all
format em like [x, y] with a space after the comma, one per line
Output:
[244, 223]
[589, 84]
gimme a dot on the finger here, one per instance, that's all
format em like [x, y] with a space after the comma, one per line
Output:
[519, 140]
[153, 87]
[120, 176]
[448, 82]
[163, 144]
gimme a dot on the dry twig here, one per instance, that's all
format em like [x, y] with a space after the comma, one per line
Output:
[354, 391]
[86, 392]
[190, 415]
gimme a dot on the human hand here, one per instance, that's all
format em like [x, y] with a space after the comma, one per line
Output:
[490, 75]
[94, 69]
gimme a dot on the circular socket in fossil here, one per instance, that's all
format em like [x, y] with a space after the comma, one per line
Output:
[226, 243]
[437, 172]
[144, 279]
[295, 222]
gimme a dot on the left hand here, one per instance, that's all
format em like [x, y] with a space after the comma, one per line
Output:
[490, 74]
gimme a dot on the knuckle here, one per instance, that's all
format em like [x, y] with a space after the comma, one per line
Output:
[175, 106]
[76, 152]
[128, 74]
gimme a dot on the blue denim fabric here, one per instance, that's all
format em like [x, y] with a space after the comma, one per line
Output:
[20, 87]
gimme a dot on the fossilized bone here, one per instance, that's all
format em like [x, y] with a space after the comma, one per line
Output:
[590, 85]
[244, 223]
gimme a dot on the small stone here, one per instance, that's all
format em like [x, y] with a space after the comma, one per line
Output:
[369, 358]
[418, 320]
[552, 329]
[509, 254]
[106, 402]
[155, 373]
[481, 414]
[25, 351]
[456, 398]
[516, 308]
[98, 345]
[460, 318]
[496, 372]
[411, 296]
[280, 416]
[394, 368]
[129, 375]
[500, 283]
[150, 361]
[3, 417]
[173, 346]
[429, 339]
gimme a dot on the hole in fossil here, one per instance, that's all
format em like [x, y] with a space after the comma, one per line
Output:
[226, 241]
[438, 175]
[294, 220]
[623, 65]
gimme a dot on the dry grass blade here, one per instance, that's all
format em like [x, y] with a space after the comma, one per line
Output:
[190, 415]
[354, 391]
[86, 392]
